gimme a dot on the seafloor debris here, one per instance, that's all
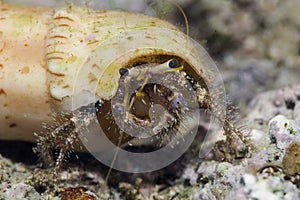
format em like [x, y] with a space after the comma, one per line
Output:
[79, 193]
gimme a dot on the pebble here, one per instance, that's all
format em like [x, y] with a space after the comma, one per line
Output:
[291, 159]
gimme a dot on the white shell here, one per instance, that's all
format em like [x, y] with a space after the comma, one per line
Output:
[71, 52]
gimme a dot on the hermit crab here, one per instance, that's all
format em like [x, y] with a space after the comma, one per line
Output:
[106, 79]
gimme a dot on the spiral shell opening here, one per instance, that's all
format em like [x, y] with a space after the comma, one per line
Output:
[141, 106]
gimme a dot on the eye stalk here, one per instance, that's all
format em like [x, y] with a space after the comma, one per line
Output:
[173, 63]
[169, 66]
[123, 72]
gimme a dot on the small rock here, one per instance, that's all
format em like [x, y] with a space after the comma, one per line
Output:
[260, 187]
[291, 160]
[22, 191]
[283, 131]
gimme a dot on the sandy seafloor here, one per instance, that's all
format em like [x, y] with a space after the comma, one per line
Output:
[256, 46]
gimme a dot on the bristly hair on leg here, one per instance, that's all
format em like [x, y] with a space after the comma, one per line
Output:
[237, 144]
[61, 136]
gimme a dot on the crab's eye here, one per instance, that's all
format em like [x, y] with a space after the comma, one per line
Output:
[98, 105]
[173, 63]
[123, 72]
